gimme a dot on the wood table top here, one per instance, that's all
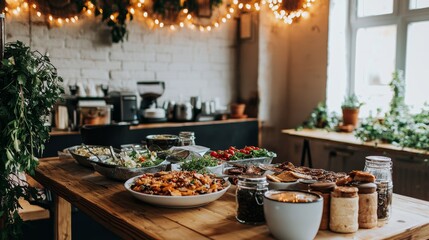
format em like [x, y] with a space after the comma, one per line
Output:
[349, 139]
[111, 205]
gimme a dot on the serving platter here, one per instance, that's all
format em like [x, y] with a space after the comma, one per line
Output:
[175, 201]
[124, 173]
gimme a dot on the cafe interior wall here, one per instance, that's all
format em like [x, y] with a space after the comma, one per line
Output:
[289, 76]
[192, 63]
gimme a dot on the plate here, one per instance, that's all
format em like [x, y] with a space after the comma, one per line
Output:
[81, 159]
[175, 201]
[124, 173]
[250, 161]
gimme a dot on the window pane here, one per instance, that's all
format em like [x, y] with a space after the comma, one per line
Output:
[416, 4]
[374, 7]
[417, 70]
[375, 62]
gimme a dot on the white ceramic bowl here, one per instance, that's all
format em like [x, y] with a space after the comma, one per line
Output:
[176, 201]
[293, 220]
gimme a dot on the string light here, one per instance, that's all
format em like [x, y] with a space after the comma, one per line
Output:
[89, 10]
[286, 15]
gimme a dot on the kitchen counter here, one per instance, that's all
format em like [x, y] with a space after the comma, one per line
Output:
[163, 125]
[108, 203]
[213, 134]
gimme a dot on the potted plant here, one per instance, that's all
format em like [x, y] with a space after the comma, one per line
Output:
[29, 88]
[350, 108]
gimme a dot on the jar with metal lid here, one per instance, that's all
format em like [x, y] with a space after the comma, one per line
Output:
[187, 138]
[381, 168]
[249, 199]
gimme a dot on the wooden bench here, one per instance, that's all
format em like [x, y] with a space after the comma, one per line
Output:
[32, 212]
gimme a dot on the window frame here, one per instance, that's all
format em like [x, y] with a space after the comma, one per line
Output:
[401, 16]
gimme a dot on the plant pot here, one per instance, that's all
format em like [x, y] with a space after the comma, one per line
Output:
[350, 116]
[237, 109]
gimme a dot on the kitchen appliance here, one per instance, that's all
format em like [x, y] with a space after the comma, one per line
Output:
[150, 92]
[85, 110]
[183, 112]
[124, 107]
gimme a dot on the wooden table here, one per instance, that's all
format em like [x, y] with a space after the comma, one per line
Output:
[108, 203]
[345, 139]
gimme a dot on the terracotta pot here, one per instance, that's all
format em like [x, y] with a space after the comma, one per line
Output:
[350, 116]
[237, 109]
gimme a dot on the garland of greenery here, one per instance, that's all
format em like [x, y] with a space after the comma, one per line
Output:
[398, 126]
[29, 87]
[173, 7]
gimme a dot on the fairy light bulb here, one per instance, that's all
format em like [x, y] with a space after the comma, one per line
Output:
[228, 16]
[189, 16]
[25, 5]
[231, 10]
[305, 14]
[181, 24]
[112, 17]
[161, 25]
[145, 14]
[67, 20]
[34, 6]
[224, 20]
[132, 11]
[216, 24]
[73, 20]
[235, 2]
[89, 11]
[248, 6]
[240, 6]
[139, 5]
[185, 11]
[209, 28]
[50, 18]
[156, 21]
[201, 28]
[172, 27]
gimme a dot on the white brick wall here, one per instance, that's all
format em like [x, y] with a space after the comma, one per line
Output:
[190, 62]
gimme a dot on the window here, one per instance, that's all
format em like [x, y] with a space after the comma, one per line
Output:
[380, 36]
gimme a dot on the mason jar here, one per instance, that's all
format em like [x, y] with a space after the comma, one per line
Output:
[381, 168]
[249, 199]
[187, 138]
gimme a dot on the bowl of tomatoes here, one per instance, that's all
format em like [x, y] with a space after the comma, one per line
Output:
[249, 155]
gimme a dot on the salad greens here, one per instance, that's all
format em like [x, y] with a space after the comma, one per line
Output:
[200, 164]
[136, 159]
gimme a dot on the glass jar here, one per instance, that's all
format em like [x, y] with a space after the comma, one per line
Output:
[381, 168]
[187, 138]
[249, 199]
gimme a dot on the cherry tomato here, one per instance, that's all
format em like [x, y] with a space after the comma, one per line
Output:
[229, 151]
[233, 148]
[227, 156]
[214, 154]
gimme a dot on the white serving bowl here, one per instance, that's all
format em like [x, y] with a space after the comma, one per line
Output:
[175, 201]
[292, 220]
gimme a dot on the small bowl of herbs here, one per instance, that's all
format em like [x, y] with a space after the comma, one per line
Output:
[205, 164]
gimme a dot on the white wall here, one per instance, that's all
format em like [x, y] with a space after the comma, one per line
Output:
[292, 76]
[191, 63]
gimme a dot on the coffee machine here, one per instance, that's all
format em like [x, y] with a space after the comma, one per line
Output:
[149, 110]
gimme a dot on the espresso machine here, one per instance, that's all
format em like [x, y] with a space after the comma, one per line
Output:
[149, 110]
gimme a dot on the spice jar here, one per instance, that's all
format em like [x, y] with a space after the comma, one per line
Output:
[344, 210]
[187, 138]
[367, 205]
[324, 189]
[381, 168]
[249, 199]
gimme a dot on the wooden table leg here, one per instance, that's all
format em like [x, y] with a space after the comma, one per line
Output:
[62, 221]
[306, 152]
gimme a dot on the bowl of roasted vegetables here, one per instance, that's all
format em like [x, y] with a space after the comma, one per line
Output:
[177, 189]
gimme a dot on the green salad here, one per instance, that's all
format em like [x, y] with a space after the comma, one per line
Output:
[136, 159]
[200, 164]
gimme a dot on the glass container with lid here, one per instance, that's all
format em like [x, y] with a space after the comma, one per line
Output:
[381, 168]
[249, 198]
[187, 138]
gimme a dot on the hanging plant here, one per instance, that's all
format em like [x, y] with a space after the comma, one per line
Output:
[201, 8]
[29, 87]
[116, 14]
